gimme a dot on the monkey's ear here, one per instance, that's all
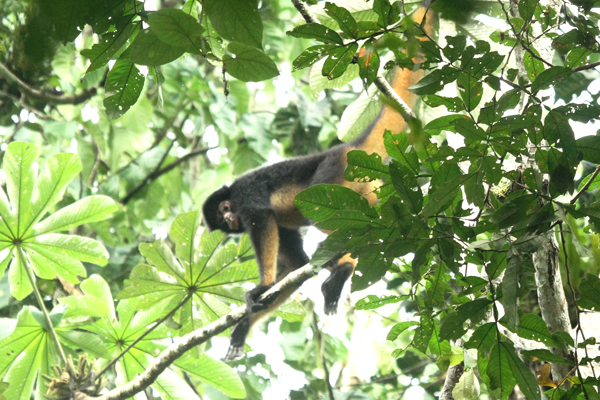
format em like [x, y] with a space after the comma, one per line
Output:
[210, 209]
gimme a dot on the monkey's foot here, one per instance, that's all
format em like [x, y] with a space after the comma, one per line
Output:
[252, 296]
[234, 353]
[333, 285]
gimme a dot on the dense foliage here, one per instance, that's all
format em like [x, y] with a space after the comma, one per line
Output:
[119, 117]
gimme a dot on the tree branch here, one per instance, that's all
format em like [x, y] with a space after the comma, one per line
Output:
[173, 352]
[54, 98]
[157, 172]
[380, 81]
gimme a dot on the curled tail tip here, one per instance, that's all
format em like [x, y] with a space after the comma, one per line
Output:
[331, 307]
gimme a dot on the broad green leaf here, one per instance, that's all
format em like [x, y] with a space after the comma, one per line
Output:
[20, 285]
[399, 328]
[60, 170]
[249, 64]
[435, 81]
[423, 333]
[470, 90]
[75, 247]
[53, 263]
[124, 84]
[88, 209]
[175, 28]
[215, 373]
[363, 167]
[407, 187]
[590, 147]
[20, 180]
[313, 54]
[97, 287]
[372, 301]
[111, 42]
[544, 355]
[7, 219]
[500, 373]
[148, 49]
[589, 289]
[316, 31]
[320, 202]
[532, 62]
[549, 77]
[79, 340]
[84, 306]
[160, 256]
[359, 114]
[236, 20]
[369, 64]
[483, 338]
[342, 16]
[521, 373]
[338, 61]
[183, 232]
[527, 8]
[444, 194]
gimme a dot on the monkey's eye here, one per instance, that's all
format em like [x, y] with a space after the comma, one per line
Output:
[224, 207]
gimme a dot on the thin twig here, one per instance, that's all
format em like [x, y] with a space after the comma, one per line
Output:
[55, 98]
[586, 186]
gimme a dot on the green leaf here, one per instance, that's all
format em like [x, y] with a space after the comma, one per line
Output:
[470, 90]
[215, 373]
[435, 81]
[111, 42]
[88, 209]
[321, 202]
[423, 333]
[527, 8]
[345, 20]
[236, 20]
[510, 289]
[124, 84]
[369, 64]
[20, 180]
[499, 372]
[160, 256]
[590, 147]
[148, 49]
[544, 355]
[455, 47]
[318, 32]
[47, 264]
[522, 374]
[60, 170]
[372, 301]
[311, 55]
[467, 128]
[588, 292]
[407, 187]
[363, 167]
[175, 28]
[338, 61]
[549, 77]
[75, 247]
[20, 285]
[248, 64]
[399, 328]
[444, 194]
[532, 62]
[183, 233]
[483, 338]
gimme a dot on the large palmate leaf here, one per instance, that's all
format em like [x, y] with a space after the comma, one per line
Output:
[30, 239]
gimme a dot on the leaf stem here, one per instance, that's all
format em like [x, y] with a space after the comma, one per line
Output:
[40, 301]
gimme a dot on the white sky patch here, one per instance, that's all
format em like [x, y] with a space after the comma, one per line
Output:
[89, 113]
[211, 137]
[24, 114]
[284, 84]
[188, 127]
[495, 22]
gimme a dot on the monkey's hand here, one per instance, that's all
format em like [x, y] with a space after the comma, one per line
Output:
[252, 296]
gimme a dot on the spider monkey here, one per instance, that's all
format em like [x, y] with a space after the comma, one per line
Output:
[261, 202]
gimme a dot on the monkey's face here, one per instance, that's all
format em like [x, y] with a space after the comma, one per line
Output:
[227, 217]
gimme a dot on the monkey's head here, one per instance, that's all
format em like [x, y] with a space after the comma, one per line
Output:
[219, 212]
